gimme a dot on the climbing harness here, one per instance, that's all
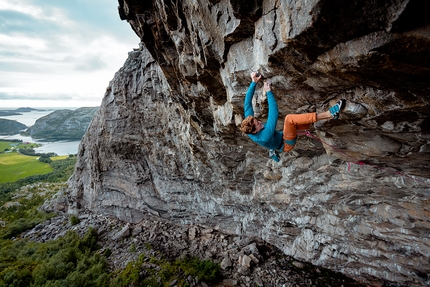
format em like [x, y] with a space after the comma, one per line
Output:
[361, 163]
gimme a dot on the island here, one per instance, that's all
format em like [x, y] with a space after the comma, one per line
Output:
[11, 127]
[17, 112]
[63, 124]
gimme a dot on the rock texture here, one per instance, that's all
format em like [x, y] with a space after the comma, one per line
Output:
[63, 124]
[244, 261]
[165, 141]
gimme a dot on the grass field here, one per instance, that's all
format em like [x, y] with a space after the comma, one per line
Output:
[14, 166]
[9, 145]
[60, 157]
[5, 145]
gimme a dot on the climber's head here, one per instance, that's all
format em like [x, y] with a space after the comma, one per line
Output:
[251, 125]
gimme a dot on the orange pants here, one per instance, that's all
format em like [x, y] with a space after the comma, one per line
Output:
[294, 123]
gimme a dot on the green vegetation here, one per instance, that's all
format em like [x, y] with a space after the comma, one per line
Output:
[5, 146]
[160, 272]
[21, 213]
[31, 152]
[61, 157]
[10, 127]
[14, 166]
[132, 248]
[12, 145]
[61, 170]
[78, 261]
[73, 260]
[74, 220]
[68, 261]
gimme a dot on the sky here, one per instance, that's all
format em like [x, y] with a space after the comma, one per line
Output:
[60, 53]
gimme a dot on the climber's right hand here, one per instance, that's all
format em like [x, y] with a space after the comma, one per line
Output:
[255, 76]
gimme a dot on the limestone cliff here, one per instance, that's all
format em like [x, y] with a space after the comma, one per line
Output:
[166, 141]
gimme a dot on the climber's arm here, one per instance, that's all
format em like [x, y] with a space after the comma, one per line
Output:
[272, 118]
[250, 94]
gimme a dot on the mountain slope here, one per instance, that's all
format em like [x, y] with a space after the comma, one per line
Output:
[11, 127]
[63, 124]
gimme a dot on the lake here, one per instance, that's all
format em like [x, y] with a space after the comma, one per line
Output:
[29, 118]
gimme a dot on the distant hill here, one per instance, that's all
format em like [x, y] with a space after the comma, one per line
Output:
[10, 127]
[63, 124]
[25, 110]
[16, 112]
[6, 113]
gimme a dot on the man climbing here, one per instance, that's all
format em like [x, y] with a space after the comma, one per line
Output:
[266, 135]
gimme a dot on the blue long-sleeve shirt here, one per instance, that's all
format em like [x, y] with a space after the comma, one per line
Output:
[268, 137]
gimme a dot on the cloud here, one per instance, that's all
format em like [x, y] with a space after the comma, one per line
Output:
[91, 63]
[13, 22]
[44, 97]
[57, 48]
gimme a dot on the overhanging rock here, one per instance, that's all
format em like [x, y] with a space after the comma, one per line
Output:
[166, 141]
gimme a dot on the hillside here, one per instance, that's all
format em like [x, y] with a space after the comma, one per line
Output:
[63, 124]
[26, 109]
[11, 127]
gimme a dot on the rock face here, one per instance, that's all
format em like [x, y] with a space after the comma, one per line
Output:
[166, 141]
[63, 124]
[244, 261]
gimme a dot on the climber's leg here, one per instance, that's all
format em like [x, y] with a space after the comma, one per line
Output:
[304, 127]
[294, 122]
[335, 110]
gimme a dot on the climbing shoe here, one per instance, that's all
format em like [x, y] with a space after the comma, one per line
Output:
[273, 153]
[335, 110]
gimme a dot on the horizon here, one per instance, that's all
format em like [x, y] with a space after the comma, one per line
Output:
[41, 108]
[38, 104]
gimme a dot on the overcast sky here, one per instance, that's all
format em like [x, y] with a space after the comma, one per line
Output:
[60, 53]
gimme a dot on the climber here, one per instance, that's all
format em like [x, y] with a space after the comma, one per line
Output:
[266, 135]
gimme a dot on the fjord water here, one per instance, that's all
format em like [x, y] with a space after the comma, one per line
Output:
[62, 147]
[29, 118]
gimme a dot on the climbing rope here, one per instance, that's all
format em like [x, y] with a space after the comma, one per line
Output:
[361, 163]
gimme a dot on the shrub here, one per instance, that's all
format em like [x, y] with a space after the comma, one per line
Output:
[69, 261]
[45, 159]
[22, 217]
[74, 220]
[129, 276]
[17, 227]
[107, 253]
[165, 272]
[132, 248]
[205, 270]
